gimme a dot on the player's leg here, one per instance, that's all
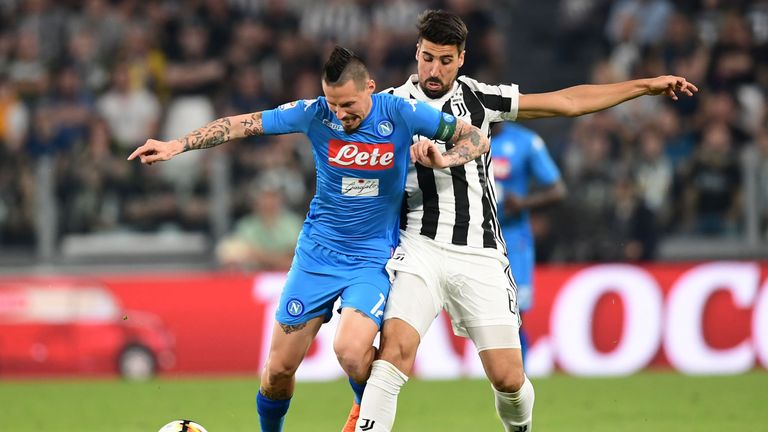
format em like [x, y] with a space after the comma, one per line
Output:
[521, 262]
[353, 344]
[305, 303]
[362, 310]
[512, 390]
[484, 307]
[411, 308]
[354, 349]
[287, 349]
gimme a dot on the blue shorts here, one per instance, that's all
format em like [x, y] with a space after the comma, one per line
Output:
[318, 276]
[521, 261]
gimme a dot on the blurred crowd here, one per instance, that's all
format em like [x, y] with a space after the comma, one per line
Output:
[652, 167]
[83, 82]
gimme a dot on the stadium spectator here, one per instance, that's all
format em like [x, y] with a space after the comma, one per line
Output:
[712, 185]
[131, 112]
[653, 172]
[264, 239]
[632, 225]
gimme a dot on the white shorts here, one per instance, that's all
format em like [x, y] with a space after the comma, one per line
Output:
[477, 291]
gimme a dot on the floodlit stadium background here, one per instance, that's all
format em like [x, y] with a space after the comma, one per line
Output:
[106, 263]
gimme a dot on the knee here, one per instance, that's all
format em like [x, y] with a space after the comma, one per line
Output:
[279, 370]
[400, 354]
[509, 381]
[355, 359]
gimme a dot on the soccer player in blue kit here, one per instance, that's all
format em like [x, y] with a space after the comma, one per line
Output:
[361, 144]
[519, 155]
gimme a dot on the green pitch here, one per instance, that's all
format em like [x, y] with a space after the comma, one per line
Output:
[644, 402]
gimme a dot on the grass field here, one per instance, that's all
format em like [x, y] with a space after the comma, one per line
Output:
[645, 402]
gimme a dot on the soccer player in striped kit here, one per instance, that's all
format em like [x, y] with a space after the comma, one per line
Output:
[452, 255]
[362, 145]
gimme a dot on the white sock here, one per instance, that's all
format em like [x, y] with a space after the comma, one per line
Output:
[516, 409]
[379, 405]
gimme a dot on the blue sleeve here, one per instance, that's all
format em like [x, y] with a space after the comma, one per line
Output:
[542, 166]
[290, 117]
[424, 120]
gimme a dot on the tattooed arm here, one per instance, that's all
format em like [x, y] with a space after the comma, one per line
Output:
[469, 144]
[214, 133]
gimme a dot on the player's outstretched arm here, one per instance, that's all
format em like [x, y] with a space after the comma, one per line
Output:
[214, 133]
[469, 143]
[585, 99]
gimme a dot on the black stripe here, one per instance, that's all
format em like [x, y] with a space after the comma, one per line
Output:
[492, 101]
[460, 195]
[495, 102]
[491, 192]
[477, 110]
[426, 179]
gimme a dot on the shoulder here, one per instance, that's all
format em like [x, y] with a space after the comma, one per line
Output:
[396, 103]
[471, 83]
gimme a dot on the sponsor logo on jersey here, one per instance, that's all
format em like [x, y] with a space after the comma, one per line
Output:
[334, 126]
[288, 105]
[502, 168]
[359, 187]
[413, 103]
[385, 128]
[361, 156]
[294, 307]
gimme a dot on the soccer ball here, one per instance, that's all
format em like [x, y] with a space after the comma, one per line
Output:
[182, 426]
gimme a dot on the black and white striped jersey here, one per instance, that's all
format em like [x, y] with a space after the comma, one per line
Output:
[457, 206]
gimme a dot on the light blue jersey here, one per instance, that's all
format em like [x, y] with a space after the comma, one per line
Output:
[352, 225]
[519, 155]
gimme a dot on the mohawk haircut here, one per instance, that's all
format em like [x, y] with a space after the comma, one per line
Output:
[442, 28]
[343, 65]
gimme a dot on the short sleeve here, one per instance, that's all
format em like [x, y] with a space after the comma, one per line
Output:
[290, 117]
[501, 102]
[424, 120]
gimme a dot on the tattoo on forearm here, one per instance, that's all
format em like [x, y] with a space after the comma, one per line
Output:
[275, 394]
[468, 145]
[253, 126]
[215, 133]
[288, 329]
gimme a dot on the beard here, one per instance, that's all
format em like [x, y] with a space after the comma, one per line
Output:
[434, 93]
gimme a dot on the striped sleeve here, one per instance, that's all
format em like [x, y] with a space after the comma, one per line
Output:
[500, 101]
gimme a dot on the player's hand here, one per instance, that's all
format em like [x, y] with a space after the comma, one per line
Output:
[154, 151]
[427, 153]
[670, 85]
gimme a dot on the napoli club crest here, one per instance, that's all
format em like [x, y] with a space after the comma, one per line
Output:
[294, 307]
[385, 128]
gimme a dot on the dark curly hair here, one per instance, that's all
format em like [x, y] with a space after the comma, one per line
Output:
[442, 28]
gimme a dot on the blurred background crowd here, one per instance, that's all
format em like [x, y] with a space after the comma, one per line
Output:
[84, 82]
